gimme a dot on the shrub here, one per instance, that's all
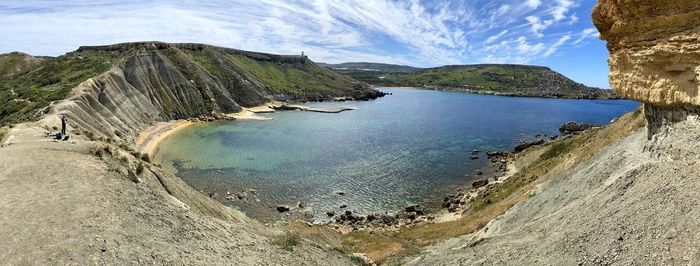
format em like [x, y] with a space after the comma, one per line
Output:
[287, 241]
[146, 157]
[99, 152]
[139, 169]
[107, 150]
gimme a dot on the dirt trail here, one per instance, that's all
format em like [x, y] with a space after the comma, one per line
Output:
[61, 204]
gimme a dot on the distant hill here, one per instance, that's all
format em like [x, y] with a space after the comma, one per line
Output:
[179, 80]
[365, 66]
[497, 79]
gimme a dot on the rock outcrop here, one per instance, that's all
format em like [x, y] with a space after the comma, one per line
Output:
[654, 55]
[635, 201]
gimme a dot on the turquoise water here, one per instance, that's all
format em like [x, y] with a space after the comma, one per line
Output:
[404, 148]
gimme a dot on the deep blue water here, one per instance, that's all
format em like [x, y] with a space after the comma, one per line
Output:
[399, 149]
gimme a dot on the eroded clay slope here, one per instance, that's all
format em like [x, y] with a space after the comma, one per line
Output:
[155, 81]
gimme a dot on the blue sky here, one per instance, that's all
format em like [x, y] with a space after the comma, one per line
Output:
[554, 33]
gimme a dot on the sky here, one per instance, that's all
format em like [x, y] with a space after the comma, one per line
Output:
[554, 33]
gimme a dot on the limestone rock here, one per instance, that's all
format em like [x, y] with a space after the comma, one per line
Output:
[654, 49]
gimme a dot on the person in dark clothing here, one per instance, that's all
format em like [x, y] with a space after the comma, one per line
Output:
[64, 120]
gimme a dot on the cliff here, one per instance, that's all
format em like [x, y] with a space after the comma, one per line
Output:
[114, 91]
[654, 55]
[634, 201]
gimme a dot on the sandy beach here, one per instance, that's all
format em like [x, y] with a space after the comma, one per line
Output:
[147, 142]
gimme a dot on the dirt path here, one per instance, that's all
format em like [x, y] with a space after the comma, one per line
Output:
[61, 204]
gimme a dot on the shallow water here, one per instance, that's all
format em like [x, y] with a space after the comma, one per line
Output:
[404, 148]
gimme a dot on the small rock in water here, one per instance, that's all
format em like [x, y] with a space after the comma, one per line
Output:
[473, 157]
[475, 151]
[412, 208]
[340, 192]
[330, 213]
[480, 183]
[282, 208]
[343, 206]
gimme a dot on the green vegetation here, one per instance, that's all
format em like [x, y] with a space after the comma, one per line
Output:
[287, 241]
[29, 84]
[376, 67]
[3, 132]
[302, 80]
[228, 77]
[516, 80]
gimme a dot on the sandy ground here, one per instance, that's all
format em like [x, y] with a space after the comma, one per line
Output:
[60, 204]
[148, 140]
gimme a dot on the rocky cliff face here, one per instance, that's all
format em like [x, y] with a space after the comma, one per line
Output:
[152, 82]
[654, 50]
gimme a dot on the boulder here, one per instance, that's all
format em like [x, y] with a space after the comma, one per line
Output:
[572, 127]
[282, 208]
[480, 183]
[412, 208]
[523, 145]
[330, 213]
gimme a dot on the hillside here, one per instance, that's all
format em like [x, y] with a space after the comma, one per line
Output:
[634, 202]
[509, 80]
[179, 80]
[376, 67]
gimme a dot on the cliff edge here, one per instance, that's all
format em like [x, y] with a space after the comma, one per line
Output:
[635, 202]
[654, 53]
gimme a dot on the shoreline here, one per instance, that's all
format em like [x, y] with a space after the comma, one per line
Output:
[502, 94]
[148, 140]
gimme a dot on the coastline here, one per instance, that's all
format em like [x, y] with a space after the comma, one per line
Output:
[148, 140]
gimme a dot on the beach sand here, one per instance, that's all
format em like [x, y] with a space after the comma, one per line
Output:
[147, 142]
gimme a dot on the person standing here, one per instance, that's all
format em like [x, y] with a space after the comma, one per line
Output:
[64, 120]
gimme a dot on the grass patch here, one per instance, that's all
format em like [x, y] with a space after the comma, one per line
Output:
[25, 94]
[287, 241]
[379, 247]
[3, 132]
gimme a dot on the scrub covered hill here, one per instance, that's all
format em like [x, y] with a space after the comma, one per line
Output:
[498, 79]
[205, 78]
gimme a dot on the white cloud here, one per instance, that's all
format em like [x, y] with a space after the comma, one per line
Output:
[556, 45]
[493, 38]
[423, 33]
[533, 3]
[537, 25]
[585, 34]
[561, 8]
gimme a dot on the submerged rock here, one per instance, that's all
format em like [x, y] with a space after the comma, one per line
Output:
[282, 208]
